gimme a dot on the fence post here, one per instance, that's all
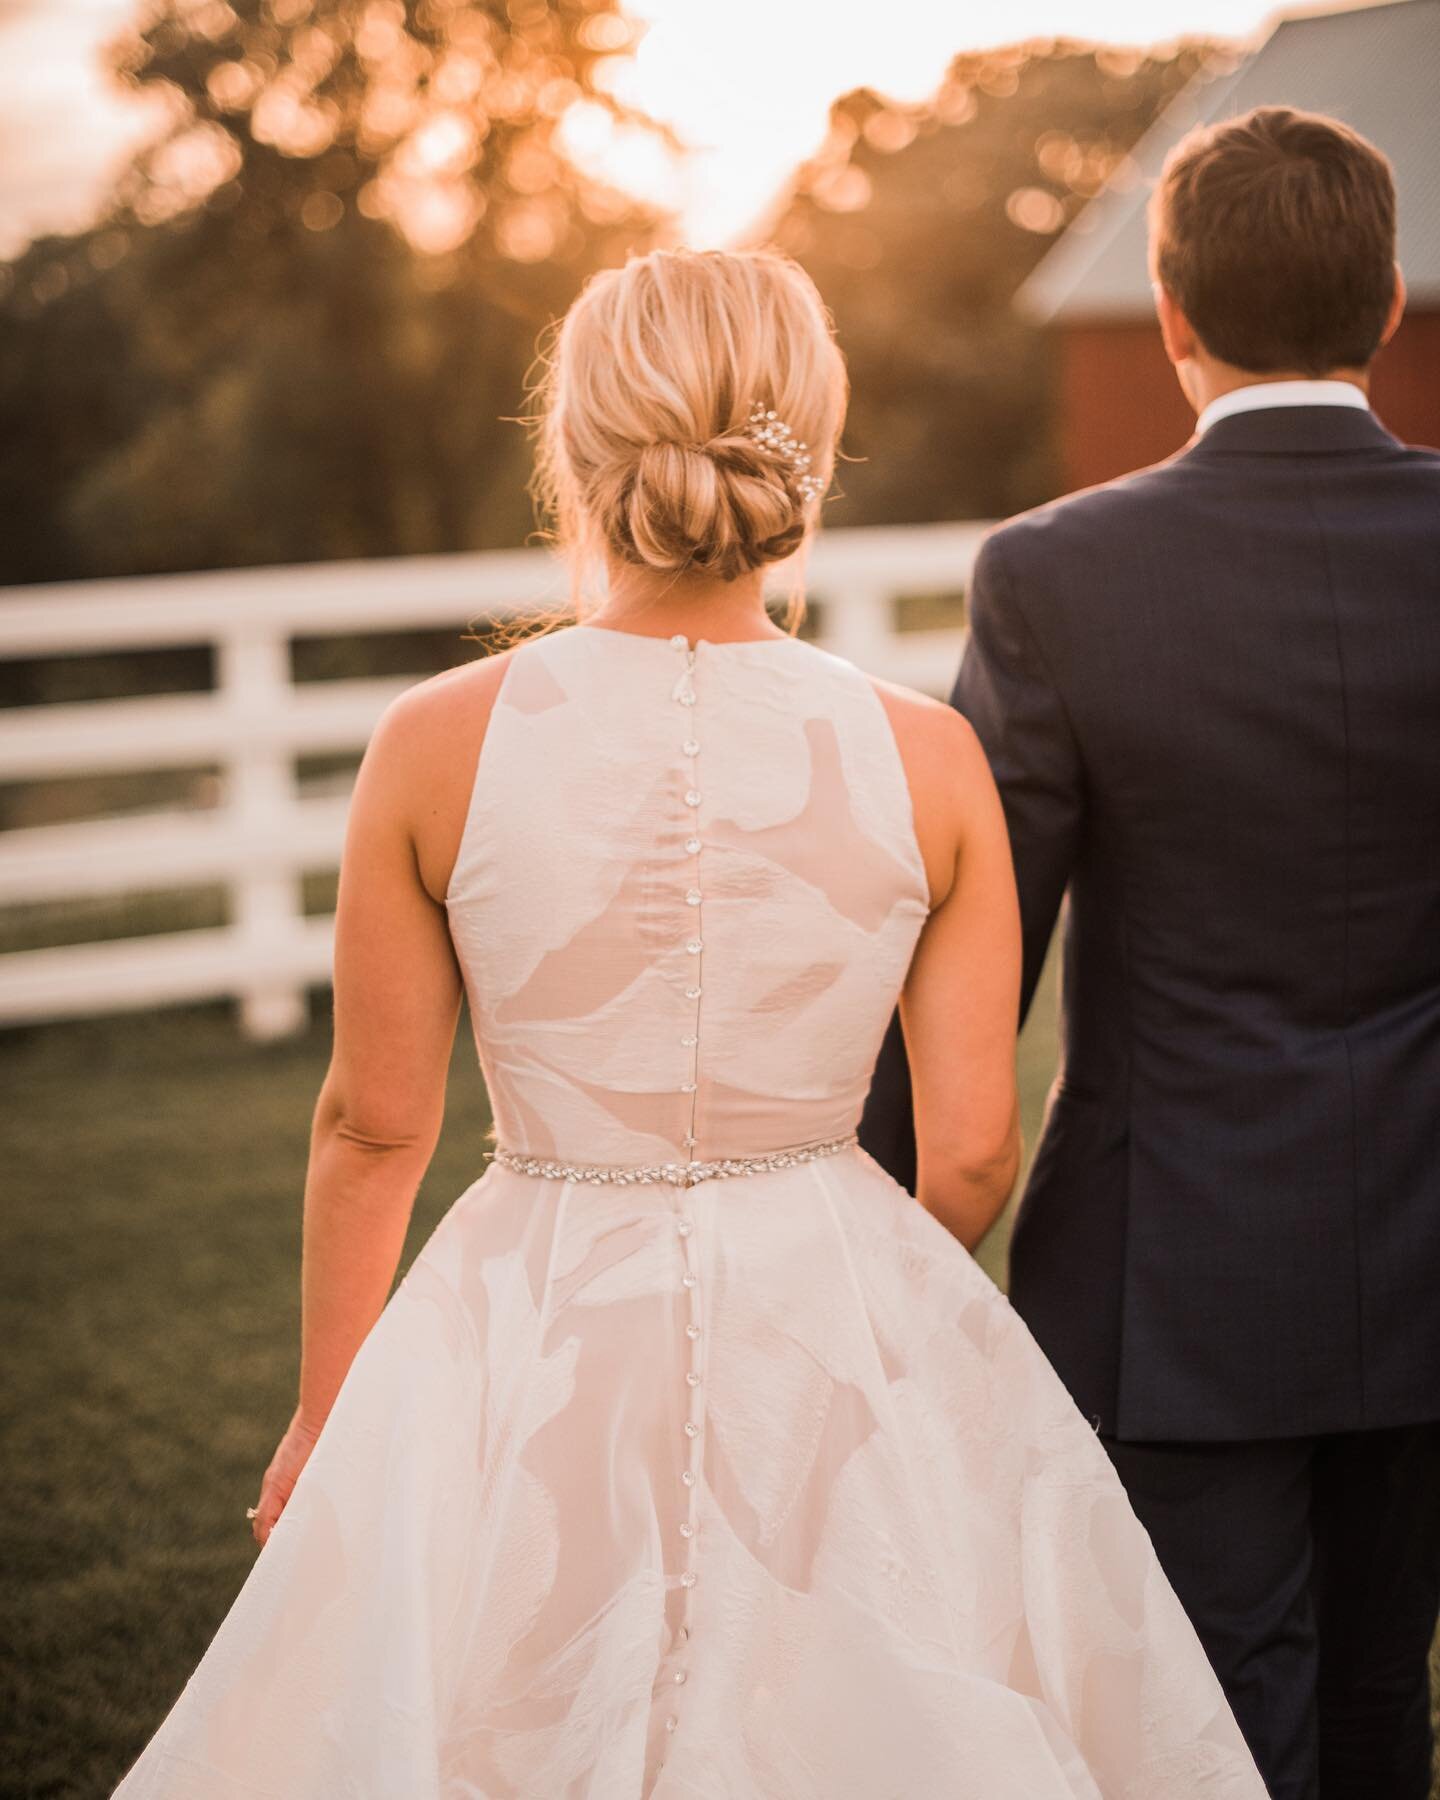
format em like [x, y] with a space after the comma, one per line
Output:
[857, 621]
[253, 677]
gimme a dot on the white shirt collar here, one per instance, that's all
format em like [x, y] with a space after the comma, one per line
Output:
[1281, 393]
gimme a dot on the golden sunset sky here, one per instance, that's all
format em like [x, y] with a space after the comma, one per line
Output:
[746, 84]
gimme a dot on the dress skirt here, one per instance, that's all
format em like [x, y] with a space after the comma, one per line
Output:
[755, 1490]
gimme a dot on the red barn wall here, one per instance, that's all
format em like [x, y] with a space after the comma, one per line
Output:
[1121, 406]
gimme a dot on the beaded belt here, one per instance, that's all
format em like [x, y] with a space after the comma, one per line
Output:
[686, 1174]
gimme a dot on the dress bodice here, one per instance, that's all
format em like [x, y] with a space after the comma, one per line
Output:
[686, 895]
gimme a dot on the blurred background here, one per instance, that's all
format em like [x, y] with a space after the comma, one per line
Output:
[273, 277]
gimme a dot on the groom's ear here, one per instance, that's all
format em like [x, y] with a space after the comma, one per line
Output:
[1397, 309]
[1175, 328]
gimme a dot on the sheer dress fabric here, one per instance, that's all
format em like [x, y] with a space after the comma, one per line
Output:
[751, 1490]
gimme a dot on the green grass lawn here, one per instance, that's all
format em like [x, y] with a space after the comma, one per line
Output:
[151, 1238]
[151, 1243]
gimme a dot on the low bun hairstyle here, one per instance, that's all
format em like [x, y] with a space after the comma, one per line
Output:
[644, 452]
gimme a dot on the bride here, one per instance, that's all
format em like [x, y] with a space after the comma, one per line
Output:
[692, 1456]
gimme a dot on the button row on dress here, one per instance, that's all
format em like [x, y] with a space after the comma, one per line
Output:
[685, 694]
[693, 896]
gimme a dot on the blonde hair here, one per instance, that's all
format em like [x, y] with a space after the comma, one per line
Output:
[644, 451]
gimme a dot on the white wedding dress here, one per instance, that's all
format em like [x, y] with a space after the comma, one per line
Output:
[749, 1489]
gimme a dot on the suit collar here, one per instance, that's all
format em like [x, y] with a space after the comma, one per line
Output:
[1293, 431]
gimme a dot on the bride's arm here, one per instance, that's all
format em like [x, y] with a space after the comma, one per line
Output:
[397, 993]
[961, 998]
[381, 1105]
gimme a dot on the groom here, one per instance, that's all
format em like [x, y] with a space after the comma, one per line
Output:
[1210, 693]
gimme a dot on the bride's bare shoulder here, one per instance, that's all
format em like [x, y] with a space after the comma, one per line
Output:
[426, 714]
[945, 769]
[420, 764]
[931, 735]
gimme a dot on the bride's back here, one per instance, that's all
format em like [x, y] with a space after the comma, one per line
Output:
[688, 885]
[686, 894]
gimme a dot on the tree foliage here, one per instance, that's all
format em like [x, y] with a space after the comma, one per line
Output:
[307, 315]
[312, 302]
[919, 224]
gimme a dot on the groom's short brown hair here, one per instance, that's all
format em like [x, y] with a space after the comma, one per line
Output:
[1275, 235]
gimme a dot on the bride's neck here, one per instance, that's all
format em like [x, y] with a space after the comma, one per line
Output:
[655, 605]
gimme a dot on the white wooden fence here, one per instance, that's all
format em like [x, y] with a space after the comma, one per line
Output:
[257, 721]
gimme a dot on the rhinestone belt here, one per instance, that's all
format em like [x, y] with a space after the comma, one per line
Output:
[686, 1174]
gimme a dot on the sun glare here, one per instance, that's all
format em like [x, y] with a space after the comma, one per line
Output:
[745, 87]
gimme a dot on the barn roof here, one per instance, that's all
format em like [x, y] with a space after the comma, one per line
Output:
[1376, 67]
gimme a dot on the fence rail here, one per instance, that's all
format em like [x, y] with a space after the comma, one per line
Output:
[255, 722]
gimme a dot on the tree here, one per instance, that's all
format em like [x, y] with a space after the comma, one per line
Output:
[919, 223]
[312, 302]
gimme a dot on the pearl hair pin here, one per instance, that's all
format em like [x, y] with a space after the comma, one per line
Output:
[774, 434]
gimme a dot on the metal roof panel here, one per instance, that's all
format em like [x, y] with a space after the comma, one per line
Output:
[1375, 67]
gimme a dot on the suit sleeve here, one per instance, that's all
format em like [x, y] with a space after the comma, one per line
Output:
[1006, 691]
[887, 1124]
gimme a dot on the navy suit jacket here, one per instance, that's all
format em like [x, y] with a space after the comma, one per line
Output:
[1210, 694]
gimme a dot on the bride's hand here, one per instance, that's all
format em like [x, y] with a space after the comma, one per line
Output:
[291, 1455]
